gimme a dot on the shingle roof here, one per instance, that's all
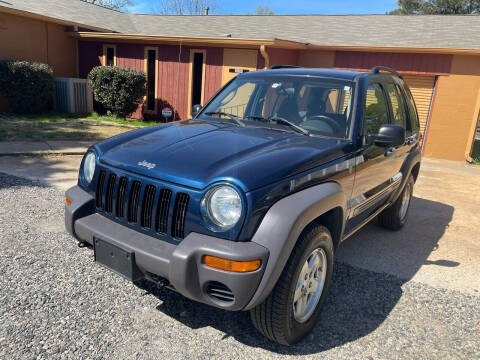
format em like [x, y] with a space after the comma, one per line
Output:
[329, 30]
[432, 31]
[75, 11]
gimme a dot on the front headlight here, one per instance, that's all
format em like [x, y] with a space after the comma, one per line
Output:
[222, 207]
[88, 167]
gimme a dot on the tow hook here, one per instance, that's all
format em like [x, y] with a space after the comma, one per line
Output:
[159, 281]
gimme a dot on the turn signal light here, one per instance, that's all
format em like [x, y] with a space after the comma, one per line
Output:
[68, 202]
[231, 265]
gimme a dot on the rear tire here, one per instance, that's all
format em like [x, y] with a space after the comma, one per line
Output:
[279, 317]
[395, 216]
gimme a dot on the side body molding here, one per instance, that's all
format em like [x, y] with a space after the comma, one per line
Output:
[283, 224]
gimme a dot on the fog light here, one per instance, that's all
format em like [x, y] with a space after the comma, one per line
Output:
[68, 202]
[231, 265]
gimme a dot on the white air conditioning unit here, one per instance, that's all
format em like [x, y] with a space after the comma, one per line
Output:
[73, 96]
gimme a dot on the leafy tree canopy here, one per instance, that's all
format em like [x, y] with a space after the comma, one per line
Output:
[436, 7]
[264, 10]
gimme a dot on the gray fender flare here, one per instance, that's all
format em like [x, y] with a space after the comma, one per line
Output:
[283, 224]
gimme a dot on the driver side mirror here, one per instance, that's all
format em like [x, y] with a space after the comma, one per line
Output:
[390, 135]
[196, 109]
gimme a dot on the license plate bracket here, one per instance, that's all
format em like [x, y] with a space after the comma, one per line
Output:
[115, 258]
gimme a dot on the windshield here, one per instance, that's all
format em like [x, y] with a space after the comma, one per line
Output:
[308, 105]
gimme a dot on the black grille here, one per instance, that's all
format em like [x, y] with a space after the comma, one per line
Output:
[109, 196]
[147, 206]
[122, 191]
[179, 212]
[124, 198]
[163, 208]
[220, 292]
[133, 201]
[100, 184]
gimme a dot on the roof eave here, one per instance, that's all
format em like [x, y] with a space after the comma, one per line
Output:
[274, 43]
[190, 40]
[396, 49]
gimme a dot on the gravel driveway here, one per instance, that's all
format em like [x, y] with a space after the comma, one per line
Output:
[56, 303]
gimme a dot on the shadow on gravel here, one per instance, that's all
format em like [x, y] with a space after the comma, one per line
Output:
[61, 171]
[8, 181]
[359, 300]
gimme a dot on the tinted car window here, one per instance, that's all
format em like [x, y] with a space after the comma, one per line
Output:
[413, 124]
[236, 101]
[375, 110]
[320, 106]
[398, 107]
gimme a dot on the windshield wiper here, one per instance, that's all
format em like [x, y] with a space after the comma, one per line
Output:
[280, 120]
[230, 116]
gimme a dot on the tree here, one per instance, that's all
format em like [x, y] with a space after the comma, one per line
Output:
[111, 4]
[436, 7]
[185, 7]
[264, 10]
[409, 7]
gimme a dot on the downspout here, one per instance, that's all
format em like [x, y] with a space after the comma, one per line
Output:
[263, 51]
[77, 54]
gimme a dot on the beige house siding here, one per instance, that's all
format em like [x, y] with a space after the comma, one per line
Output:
[455, 110]
[22, 38]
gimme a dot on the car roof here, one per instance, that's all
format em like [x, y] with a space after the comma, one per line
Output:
[324, 73]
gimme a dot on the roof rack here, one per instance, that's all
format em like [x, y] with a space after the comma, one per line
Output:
[377, 69]
[275, 67]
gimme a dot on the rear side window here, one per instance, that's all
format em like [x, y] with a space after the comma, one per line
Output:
[413, 124]
[375, 110]
[398, 108]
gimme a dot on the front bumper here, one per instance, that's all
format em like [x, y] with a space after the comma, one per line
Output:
[179, 263]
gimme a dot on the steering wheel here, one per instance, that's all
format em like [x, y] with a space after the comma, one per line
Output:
[327, 120]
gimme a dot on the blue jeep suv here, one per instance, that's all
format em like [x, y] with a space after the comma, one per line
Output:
[243, 206]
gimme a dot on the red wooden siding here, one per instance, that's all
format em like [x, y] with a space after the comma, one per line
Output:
[131, 56]
[213, 72]
[173, 75]
[282, 56]
[403, 62]
[89, 55]
[260, 61]
[173, 79]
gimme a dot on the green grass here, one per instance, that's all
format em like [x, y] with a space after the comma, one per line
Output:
[54, 117]
[95, 116]
[58, 126]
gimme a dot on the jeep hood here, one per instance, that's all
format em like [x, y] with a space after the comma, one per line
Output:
[197, 153]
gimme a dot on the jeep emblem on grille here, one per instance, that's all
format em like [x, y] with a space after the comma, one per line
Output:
[146, 164]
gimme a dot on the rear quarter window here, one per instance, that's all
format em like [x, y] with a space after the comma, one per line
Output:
[399, 116]
[413, 124]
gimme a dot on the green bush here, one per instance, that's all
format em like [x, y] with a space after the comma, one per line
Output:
[119, 90]
[27, 86]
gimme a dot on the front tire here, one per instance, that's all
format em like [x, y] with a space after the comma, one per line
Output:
[290, 311]
[395, 216]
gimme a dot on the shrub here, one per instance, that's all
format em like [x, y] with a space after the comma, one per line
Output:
[119, 90]
[27, 86]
